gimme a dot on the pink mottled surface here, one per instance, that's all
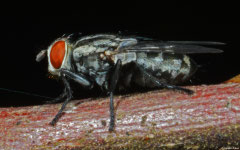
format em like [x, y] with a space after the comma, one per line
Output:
[167, 111]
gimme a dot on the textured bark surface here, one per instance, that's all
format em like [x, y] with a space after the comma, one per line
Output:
[210, 118]
[235, 79]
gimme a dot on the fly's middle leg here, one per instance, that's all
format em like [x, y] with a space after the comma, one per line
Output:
[113, 82]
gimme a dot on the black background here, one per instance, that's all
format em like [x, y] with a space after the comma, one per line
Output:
[27, 30]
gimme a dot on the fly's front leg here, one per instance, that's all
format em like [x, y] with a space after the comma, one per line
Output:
[68, 97]
[79, 78]
[113, 82]
[164, 85]
[59, 98]
[64, 74]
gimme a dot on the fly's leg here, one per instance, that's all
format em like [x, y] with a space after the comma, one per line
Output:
[79, 78]
[59, 98]
[69, 96]
[164, 85]
[113, 82]
[67, 91]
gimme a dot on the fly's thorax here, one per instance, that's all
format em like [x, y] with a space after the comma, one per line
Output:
[86, 56]
[91, 64]
[86, 48]
[125, 57]
[59, 56]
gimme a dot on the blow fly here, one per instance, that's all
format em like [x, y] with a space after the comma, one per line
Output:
[114, 62]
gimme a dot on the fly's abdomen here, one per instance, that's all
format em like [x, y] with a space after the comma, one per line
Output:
[168, 68]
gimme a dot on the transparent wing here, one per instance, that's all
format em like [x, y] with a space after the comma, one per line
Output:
[178, 47]
[197, 42]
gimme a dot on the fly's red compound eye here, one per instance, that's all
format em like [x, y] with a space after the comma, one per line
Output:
[57, 54]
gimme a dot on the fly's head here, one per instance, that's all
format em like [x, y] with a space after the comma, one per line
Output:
[58, 56]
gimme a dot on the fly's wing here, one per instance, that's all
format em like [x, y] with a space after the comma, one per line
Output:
[197, 42]
[177, 47]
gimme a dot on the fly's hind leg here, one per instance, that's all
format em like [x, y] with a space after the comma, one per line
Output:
[164, 85]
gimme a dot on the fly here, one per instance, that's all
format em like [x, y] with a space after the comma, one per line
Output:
[114, 62]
